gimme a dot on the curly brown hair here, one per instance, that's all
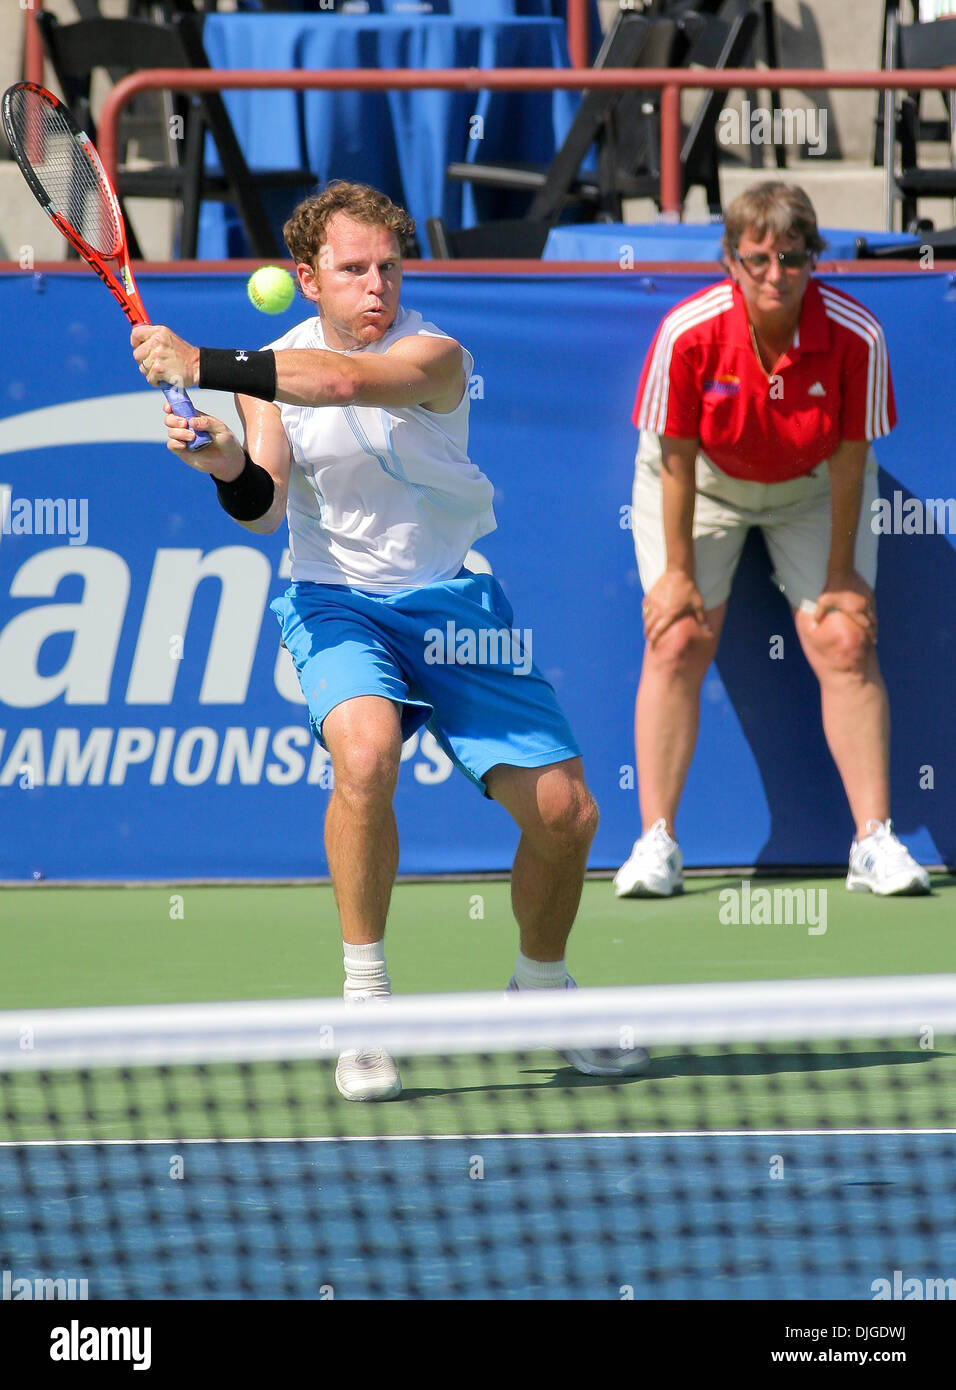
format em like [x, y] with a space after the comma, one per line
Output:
[307, 228]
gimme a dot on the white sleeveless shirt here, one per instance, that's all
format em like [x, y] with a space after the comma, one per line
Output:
[381, 499]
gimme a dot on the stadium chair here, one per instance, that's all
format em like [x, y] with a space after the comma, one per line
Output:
[730, 9]
[76, 51]
[517, 239]
[715, 43]
[631, 140]
[626, 125]
[556, 186]
[941, 244]
[929, 45]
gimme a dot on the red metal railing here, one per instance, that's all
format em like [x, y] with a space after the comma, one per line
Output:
[32, 43]
[579, 36]
[671, 82]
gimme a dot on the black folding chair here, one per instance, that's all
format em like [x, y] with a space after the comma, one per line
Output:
[521, 238]
[76, 51]
[929, 45]
[556, 186]
[627, 126]
[938, 244]
[715, 43]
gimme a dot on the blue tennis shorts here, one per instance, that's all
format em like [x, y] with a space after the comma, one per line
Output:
[448, 653]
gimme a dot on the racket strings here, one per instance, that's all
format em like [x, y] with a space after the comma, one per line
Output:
[65, 169]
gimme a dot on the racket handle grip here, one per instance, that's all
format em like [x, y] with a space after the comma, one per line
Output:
[182, 405]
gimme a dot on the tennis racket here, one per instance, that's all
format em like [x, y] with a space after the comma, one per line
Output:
[67, 178]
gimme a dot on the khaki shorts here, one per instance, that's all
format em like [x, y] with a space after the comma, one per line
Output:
[794, 517]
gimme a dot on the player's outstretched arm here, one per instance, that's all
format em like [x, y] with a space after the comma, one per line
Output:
[417, 370]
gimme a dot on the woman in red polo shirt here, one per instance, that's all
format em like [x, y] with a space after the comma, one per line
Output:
[757, 405]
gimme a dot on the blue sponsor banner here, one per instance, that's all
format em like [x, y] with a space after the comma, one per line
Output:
[151, 727]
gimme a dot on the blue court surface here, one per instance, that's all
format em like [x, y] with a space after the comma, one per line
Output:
[767, 1215]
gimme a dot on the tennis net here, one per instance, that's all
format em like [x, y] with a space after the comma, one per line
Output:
[789, 1140]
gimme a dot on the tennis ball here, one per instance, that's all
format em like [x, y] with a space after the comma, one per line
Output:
[271, 289]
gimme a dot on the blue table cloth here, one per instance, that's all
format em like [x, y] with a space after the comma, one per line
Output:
[462, 9]
[465, 9]
[668, 241]
[400, 142]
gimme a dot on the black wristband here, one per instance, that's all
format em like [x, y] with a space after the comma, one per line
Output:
[249, 496]
[235, 369]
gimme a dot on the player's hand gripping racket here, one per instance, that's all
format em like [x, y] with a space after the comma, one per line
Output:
[69, 182]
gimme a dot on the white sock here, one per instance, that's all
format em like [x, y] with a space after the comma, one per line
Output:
[366, 975]
[539, 974]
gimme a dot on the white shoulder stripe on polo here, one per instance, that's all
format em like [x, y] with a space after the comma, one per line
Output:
[833, 296]
[654, 405]
[837, 305]
[653, 412]
[866, 326]
[859, 319]
[877, 418]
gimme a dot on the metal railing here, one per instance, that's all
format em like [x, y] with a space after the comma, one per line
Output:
[670, 81]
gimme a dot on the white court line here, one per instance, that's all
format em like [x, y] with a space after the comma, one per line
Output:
[461, 1138]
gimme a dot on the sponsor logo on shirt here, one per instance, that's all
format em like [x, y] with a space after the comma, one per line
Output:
[722, 386]
[817, 389]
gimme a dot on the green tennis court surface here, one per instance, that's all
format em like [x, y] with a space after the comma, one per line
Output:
[754, 1170]
[76, 946]
[750, 1087]
[81, 947]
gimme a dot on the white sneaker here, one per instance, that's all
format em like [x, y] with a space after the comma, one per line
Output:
[880, 864]
[599, 1061]
[654, 869]
[369, 1074]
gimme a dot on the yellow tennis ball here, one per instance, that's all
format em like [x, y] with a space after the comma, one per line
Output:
[271, 289]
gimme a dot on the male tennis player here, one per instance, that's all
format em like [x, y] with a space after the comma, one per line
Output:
[758, 402]
[356, 431]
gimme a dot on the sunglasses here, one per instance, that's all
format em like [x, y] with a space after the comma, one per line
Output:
[759, 262]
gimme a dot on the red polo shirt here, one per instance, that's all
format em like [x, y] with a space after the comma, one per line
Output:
[702, 380]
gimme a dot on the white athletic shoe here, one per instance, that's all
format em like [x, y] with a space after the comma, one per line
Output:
[880, 864]
[654, 869]
[367, 1075]
[599, 1061]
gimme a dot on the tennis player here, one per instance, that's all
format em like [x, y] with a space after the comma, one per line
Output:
[757, 406]
[356, 432]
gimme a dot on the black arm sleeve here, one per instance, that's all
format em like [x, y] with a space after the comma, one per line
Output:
[249, 496]
[234, 369]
